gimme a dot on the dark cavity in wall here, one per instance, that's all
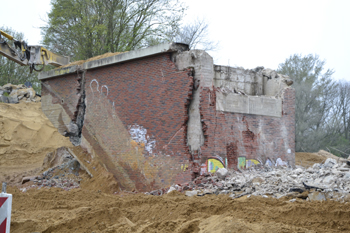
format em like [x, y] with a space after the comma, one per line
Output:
[77, 123]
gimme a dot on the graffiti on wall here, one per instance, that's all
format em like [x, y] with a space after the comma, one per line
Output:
[241, 162]
[280, 162]
[246, 163]
[124, 147]
[219, 158]
[214, 165]
[184, 167]
[251, 162]
[139, 135]
[211, 165]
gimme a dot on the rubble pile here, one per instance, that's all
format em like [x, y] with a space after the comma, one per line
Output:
[13, 94]
[330, 180]
[65, 176]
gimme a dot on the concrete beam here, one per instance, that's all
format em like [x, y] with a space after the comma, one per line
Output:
[132, 55]
[256, 105]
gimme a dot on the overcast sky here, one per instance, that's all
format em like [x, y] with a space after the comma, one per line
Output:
[251, 32]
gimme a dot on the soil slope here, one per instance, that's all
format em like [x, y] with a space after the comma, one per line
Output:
[26, 136]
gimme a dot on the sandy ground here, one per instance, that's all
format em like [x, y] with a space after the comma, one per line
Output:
[26, 136]
[54, 210]
[308, 159]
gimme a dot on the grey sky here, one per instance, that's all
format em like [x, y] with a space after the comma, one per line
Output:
[251, 32]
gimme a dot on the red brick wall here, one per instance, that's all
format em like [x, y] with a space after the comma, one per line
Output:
[150, 93]
[234, 135]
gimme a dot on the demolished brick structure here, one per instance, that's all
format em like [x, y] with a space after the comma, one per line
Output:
[164, 114]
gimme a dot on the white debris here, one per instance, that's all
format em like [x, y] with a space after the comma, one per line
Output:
[329, 163]
[327, 181]
[191, 193]
[171, 189]
[222, 173]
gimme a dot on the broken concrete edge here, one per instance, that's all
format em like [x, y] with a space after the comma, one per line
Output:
[77, 123]
[123, 57]
[80, 162]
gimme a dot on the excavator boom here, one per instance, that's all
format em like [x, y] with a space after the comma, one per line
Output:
[29, 55]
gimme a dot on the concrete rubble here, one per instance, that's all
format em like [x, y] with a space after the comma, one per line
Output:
[65, 176]
[13, 94]
[321, 182]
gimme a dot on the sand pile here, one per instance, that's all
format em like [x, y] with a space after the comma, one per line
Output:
[306, 159]
[55, 210]
[26, 136]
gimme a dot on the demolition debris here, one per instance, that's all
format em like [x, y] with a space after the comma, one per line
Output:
[327, 181]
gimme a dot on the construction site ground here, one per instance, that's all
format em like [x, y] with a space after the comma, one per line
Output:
[95, 204]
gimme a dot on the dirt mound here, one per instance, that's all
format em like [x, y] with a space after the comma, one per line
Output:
[26, 136]
[306, 159]
[77, 210]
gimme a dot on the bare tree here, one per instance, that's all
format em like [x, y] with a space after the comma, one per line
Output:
[343, 106]
[196, 35]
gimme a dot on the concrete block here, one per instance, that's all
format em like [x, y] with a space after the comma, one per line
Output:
[222, 173]
[329, 163]
[317, 196]
[4, 99]
[13, 99]
[191, 193]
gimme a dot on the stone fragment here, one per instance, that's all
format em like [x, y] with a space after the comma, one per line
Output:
[298, 171]
[171, 189]
[329, 179]
[222, 173]
[13, 100]
[329, 163]
[258, 181]
[4, 99]
[317, 196]
[191, 193]
[347, 175]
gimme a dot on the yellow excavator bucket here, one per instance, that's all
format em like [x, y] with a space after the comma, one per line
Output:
[28, 55]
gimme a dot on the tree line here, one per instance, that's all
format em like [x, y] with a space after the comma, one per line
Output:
[83, 29]
[322, 115]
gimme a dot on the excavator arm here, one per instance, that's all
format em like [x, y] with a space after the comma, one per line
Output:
[29, 55]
